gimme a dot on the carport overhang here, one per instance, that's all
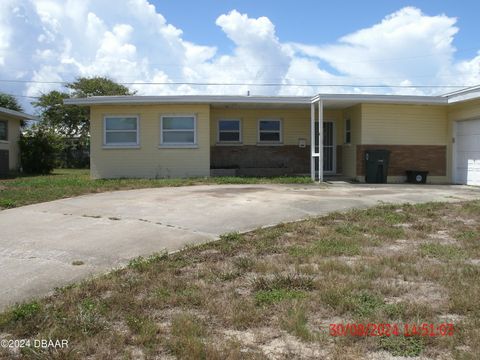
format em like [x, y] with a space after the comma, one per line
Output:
[321, 102]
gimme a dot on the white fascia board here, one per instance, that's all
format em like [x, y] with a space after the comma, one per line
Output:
[471, 95]
[119, 100]
[389, 99]
[467, 90]
[17, 114]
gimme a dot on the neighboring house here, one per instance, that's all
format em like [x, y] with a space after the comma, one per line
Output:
[185, 136]
[10, 121]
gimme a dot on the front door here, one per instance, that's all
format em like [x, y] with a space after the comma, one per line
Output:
[329, 147]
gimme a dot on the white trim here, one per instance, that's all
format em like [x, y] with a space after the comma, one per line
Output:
[110, 147]
[312, 142]
[239, 142]
[320, 141]
[178, 145]
[120, 145]
[189, 99]
[280, 131]
[401, 99]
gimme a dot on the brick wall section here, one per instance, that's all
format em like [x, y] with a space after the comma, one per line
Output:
[289, 159]
[431, 158]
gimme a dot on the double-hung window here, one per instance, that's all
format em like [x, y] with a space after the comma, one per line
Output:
[121, 131]
[229, 131]
[269, 131]
[348, 131]
[3, 130]
[178, 130]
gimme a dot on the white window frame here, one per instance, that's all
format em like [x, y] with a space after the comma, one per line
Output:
[136, 144]
[4, 141]
[179, 145]
[280, 131]
[230, 131]
[349, 131]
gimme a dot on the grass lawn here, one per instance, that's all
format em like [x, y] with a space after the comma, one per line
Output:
[273, 293]
[65, 183]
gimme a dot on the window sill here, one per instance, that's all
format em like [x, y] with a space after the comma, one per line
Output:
[270, 144]
[178, 146]
[113, 147]
[4, 142]
[229, 144]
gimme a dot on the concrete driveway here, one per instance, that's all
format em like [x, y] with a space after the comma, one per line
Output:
[38, 243]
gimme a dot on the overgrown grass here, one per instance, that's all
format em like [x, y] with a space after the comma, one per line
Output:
[63, 183]
[274, 291]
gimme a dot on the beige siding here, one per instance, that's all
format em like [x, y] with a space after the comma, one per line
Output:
[404, 124]
[12, 143]
[349, 153]
[149, 160]
[407, 125]
[295, 123]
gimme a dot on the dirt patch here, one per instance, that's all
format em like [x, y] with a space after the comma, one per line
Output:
[442, 237]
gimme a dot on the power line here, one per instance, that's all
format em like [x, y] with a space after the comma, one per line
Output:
[250, 84]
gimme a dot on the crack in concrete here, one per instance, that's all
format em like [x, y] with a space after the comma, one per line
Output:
[115, 218]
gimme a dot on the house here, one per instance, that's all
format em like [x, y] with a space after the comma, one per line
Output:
[187, 136]
[10, 124]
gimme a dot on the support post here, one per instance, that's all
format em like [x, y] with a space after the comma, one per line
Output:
[312, 141]
[320, 140]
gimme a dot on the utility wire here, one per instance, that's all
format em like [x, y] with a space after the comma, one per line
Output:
[251, 84]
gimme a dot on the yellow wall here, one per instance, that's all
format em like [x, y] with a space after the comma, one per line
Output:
[404, 124]
[149, 160]
[12, 143]
[407, 125]
[349, 151]
[295, 123]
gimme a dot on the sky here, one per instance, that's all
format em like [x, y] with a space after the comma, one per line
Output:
[161, 47]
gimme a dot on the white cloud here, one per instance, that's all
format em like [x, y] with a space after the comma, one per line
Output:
[406, 47]
[54, 40]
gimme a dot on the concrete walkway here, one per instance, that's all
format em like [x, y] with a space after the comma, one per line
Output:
[38, 243]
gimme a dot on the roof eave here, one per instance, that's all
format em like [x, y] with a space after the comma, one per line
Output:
[17, 114]
[387, 99]
[124, 100]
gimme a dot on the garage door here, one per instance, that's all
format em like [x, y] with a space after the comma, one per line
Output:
[3, 162]
[467, 158]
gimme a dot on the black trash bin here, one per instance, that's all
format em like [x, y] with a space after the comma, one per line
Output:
[416, 176]
[376, 166]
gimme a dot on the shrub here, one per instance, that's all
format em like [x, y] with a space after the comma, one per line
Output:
[75, 153]
[39, 148]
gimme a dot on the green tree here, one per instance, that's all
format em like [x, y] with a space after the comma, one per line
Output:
[10, 102]
[39, 149]
[67, 120]
[71, 120]
[97, 86]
